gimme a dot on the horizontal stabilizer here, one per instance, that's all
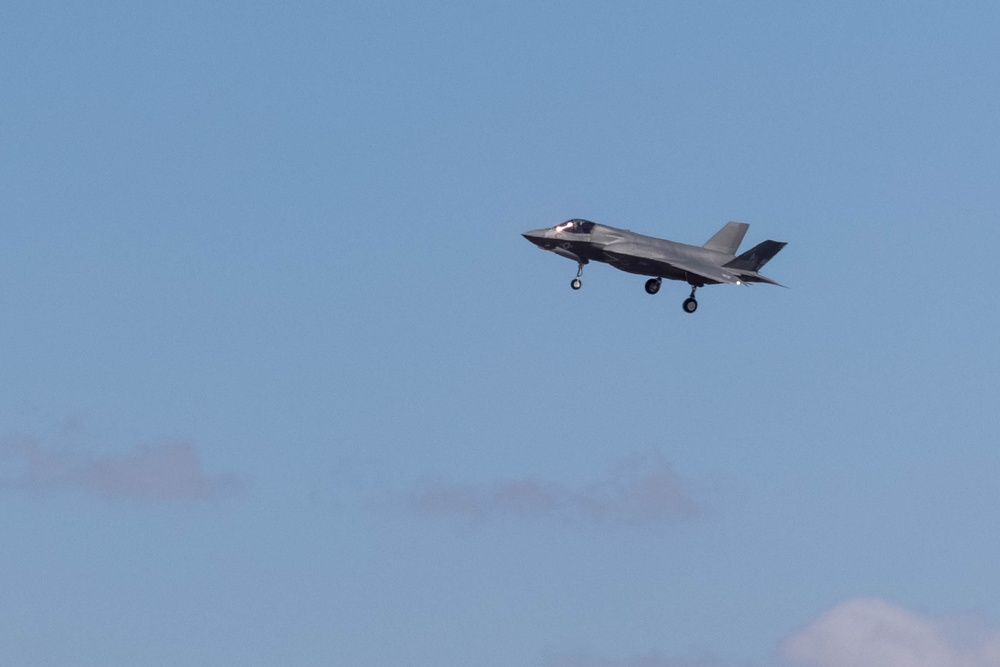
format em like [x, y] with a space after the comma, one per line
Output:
[729, 238]
[748, 277]
[755, 258]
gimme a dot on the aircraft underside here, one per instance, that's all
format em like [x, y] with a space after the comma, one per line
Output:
[583, 254]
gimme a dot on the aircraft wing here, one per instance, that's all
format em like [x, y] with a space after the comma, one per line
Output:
[629, 255]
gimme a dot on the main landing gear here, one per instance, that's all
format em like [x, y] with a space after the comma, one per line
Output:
[576, 283]
[690, 304]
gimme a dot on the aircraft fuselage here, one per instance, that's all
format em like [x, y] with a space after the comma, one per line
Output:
[713, 263]
[639, 250]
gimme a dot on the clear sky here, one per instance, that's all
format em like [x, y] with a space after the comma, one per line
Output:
[281, 383]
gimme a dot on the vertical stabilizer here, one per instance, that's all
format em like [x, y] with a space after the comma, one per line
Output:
[756, 257]
[729, 238]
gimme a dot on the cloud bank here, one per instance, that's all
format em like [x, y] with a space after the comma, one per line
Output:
[167, 472]
[642, 489]
[869, 632]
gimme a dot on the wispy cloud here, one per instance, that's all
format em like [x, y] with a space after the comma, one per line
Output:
[869, 632]
[649, 660]
[641, 489]
[147, 473]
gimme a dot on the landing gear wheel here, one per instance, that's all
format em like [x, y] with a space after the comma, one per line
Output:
[576, 284]
[652, 286]
[690, 305]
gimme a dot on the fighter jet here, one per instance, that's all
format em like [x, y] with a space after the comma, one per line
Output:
[711, 264]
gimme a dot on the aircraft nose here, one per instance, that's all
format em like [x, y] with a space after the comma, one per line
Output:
[536, 236]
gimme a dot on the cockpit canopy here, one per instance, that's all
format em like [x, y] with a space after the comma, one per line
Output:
[575, 226]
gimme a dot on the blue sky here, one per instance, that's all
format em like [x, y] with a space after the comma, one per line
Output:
[282, 383]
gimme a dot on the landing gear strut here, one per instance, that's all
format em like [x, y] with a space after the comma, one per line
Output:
[690, 304]
[576, 283]
[652, 286]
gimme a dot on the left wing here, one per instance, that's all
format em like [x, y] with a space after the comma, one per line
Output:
[634, 254]
[710, 272]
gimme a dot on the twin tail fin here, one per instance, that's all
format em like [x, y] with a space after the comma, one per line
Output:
[747, 265]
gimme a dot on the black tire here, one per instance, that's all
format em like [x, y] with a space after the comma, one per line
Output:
[652, 286]
[576, 284]
[690, 305]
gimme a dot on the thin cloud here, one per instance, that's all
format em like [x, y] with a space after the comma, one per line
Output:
[869, 632]
[651, 660]
[642, 489]
[167, 472]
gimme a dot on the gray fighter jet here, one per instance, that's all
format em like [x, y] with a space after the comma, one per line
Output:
[711, 264]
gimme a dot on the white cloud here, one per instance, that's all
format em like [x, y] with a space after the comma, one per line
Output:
[863, 632]
[870, 632]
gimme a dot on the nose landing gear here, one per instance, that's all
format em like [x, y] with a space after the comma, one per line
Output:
[576, 283]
